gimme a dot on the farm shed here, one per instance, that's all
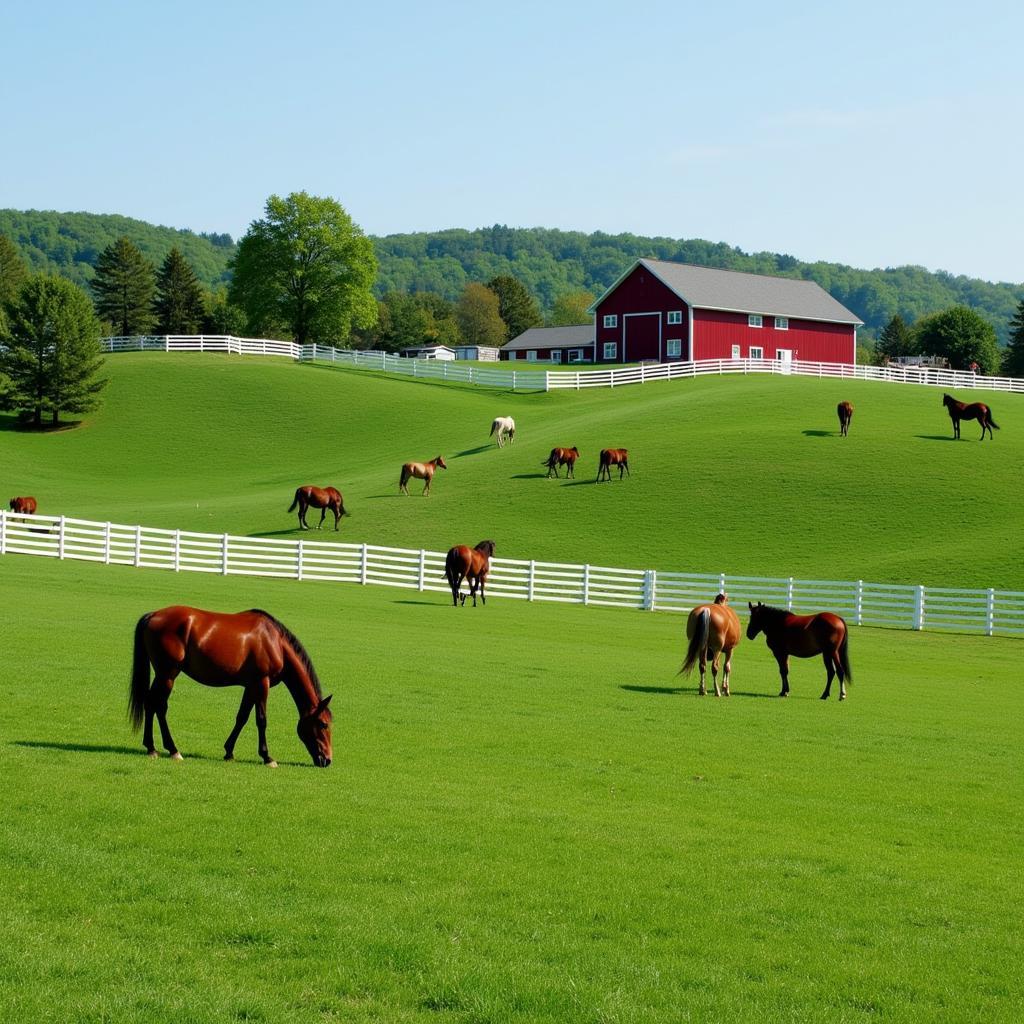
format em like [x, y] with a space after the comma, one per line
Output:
[429, 352]
[483, 353]
[676, 311]
[552, 345]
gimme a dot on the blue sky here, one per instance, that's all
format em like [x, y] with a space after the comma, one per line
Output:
[873, 134]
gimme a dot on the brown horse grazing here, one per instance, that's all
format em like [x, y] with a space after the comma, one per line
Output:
[249, 649]
[421, 471]
[715, 629]
[613, 457]
[323, 498]
[803, 636]
[26, 505]
[845, 412]
[562, 457]
[975, 411]
[471, 564]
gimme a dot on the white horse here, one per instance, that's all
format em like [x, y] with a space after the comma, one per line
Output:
[505, 427]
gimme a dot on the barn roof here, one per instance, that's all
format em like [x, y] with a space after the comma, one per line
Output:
[739, 292]
[552, 337]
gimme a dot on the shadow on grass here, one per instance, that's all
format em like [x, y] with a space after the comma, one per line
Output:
[665, 691]
[528, 476]
[472, 451]
[820, 433]
[12, 423]
[107, 748]
[425, 604]
[935, 437]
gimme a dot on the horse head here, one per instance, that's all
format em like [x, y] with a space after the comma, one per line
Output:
[576, 450]
[440, 463]
[948, 400]
[722, 598]
[486, 547]
[756, 625]
[314, 730]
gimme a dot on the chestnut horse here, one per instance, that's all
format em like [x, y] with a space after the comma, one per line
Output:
[613, 457]
[323, 498]
[712, 629]
[26, 505]
[249, 649]
[473, 564]
[505, 427]
[562, 457]
[975, 411]
[845, 412]
[421, 471]
[803, 636]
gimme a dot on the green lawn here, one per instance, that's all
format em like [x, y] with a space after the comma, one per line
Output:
[529, 818]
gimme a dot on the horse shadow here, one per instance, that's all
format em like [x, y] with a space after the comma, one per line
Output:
[936, 437]
[578, 483]
[472, 451]
[820, 433]
[528, 476]
[665, 691]
[110, 748]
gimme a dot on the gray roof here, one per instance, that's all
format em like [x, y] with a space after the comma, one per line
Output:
[709, 288]
[552, 337]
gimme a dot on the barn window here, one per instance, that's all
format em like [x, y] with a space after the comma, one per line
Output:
[676, 316]
[754, 320]
[531, 355]
[673, 347]
[736, 351]
[611, 350]
[575, 355]
[611, 320]
[781, 323]
[756, 352]
[556, 355]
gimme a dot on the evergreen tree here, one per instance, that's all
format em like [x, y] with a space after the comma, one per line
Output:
[123, 286]
[1013, 356]
[13, 273]
[52, 350]
[894, 340]
[179, 306]
[477, 313]
[516, 306]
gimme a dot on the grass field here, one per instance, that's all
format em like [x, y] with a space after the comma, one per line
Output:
[743, 475]
[529, 818]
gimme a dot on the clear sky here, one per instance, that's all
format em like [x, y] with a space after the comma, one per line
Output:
[870, 133]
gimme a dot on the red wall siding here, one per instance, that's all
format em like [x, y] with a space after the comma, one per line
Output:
[715, 333]
[544, 354]
[640, 292]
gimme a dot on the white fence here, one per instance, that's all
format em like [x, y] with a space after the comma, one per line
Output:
[550, 380]
[871, 604]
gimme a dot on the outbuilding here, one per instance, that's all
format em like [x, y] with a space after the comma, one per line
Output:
[552, 345]
[429, 352]
[482, 353]
[670, 312]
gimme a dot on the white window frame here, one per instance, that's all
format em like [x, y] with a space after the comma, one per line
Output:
[556, 355]
[782, 323]
[575, 355]
[610, 350]
[611, 320]
[675, 317]
[755, 320]
[756, 352]
[678, 343]
[737, 352]
[531, 355]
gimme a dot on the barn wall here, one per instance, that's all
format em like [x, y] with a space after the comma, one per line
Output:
[641, 292]
[716, 332]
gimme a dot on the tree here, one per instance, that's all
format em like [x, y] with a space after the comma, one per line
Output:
[480, 322]
[894, 340]
[220, 316]
[124, 285]
[13, 273]
[962, 336]
[52, 350]
[179, 306]
[516, 306]
[571, 309]
[305, 269]
[1013, 356]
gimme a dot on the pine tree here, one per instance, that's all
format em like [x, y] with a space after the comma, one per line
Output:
[180, 306]
[124, 285]
[1013, 357]
[895, 340]
[13, 273]
[516, 306]
[52, 350]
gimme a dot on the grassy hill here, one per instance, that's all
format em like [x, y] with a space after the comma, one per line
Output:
[743, 475]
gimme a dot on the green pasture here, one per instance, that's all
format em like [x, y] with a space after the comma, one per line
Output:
[743, 475]
[529, 818]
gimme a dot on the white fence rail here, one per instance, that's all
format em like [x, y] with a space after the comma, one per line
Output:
[550, 380]
[871, 604]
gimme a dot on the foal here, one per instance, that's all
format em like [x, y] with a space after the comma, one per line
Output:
[845, 412]
[562, 457]
[421, 471]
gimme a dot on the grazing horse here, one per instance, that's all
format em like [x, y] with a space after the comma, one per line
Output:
[845, 412]
[562, 457]
[26, 505]
[712, 629]
[323, 498]
[249, 649]
[505, 427]
[803, 636]
[975, 411]
[421, 471]
[471, 564]
[613, 457]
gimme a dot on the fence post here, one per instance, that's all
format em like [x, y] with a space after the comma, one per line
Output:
[860, 602]
[167, 343]
[721, 583]
[990, 613]
[224, 556]
[106, 544]
[298, 560]
[138, 546]
[789, 594]
[177, 550]
[362, 564]
[530, 580]
[3, 531]
[650, 585]
[919, 607]
[586, 584]
[60, 538]
[423, 570]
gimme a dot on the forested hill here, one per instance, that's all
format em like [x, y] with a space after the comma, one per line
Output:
[549, 262]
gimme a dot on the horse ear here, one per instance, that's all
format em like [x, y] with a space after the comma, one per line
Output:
[322, 706]
[750, 606]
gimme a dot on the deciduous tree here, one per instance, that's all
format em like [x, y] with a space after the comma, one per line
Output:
[516, 306]
[962, 336]
[13, 273]
[480, 322]
[571, 309]
[124, 286]
[179, 306]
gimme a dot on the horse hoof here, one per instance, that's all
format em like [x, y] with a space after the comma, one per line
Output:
[229, 757]
[153, 754]
[842, 696]
[176, 756]
[271, 764]
[785, 693]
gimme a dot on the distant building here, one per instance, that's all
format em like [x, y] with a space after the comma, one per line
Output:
[429, 352]
[483, 353]
[552, 345]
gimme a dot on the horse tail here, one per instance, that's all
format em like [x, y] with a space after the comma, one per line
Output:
[992, 422]
[844, 657]
[449, 569]
[140, 675]
[404, 477]
[698, 643]
[494, 427]
[295, 501]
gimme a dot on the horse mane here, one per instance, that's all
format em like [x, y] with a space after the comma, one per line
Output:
[296, 644]
[486, 546]
[772, 611]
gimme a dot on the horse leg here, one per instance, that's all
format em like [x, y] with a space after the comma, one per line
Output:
[323, 516]
[426, 487]
[841, 674]
[337, 516]
[244, 710]
[702, 665]
[830, 669]
[783, 660]
[483, 597]
[714, 671]
[303, 525]
[156, 704]
[260, 694]
[726, 672]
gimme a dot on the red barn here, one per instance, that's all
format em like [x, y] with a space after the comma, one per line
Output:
[675, 311]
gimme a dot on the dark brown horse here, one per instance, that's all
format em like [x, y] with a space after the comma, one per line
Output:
[323, 498]
[712, 629]
[562, 457]
[473, 564]
[421, 471]
[613, 457]
[845, 413]
[249, 649]
[26, 505]
[974, 411]
[803, 636]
